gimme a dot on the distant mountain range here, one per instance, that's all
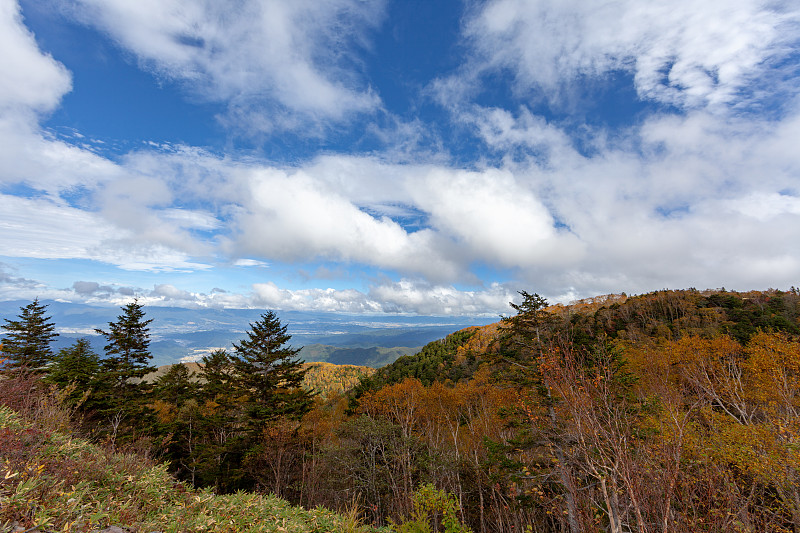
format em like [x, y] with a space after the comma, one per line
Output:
[180, 334]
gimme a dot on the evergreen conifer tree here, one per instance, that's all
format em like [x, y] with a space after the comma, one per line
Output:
[215, 372]
[176, 386]
[27, 341]
[123, 395]
[268, 375]
[217, 454]
[77, 364]
[128, 346]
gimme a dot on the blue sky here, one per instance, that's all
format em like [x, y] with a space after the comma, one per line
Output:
[416, 157]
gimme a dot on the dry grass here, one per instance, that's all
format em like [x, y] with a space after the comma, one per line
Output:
[54, 482]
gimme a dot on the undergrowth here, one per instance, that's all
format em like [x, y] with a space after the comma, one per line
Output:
[54, 482]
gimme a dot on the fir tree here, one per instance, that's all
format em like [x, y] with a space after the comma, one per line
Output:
[128, 350]
[217, 454]
[123, 396]
[27, 342]
[267, 374]
[176, 386]
[215, 372]
[76, 365]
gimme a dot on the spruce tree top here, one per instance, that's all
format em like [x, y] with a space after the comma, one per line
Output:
[128, 349]
[267, 374]
[27, 343]
[265, 342]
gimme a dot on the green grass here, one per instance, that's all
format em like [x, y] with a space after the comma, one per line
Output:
[60, 483]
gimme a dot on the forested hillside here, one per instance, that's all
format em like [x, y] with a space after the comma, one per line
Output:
[54, 482]
[668, 411]
[321, 378]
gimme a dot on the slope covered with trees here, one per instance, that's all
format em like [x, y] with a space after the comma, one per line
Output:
[668, 411]
[54, 482]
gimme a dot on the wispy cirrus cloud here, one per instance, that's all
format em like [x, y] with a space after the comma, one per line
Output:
[72, 233]
[275, 65]
[683, 54]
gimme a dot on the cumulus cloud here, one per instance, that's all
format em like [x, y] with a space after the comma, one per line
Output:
[170, 292]
[295, 217]
[143, 206]
[32, 83]
[295, 57]
[86, 287]
[707, 202]
[679, 53]
[412, 296]
[424, 298]
[47, 225]
[29, 79]
[92, 291]
[407, 296]
[678, 211]
[269, 295]
[487, 216]
[494, 217]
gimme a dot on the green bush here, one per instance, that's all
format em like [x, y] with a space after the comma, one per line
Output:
[433, 510]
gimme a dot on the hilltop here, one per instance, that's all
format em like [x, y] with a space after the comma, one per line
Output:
[651, 317]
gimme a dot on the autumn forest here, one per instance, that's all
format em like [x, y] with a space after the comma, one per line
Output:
[672, 411]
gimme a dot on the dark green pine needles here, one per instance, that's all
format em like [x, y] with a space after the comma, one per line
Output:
[267, 374]
[27, 341]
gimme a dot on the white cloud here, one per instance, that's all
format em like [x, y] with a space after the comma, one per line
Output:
[39, 228]
[269, 295]
[46, 226]
[707, 203]
[764, 207]
[295, 217]
[33, 83]
[30, 156]
[170, 292]
[703, 198]
[503, 131]
[682, 53]
[294, 54]
[190, 219]
[250, 263]
[405, 296]
[426, 299]
[313, 213]
[26, 236]
[29, 79]
[494, 216]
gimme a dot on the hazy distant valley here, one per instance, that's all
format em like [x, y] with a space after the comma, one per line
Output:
[180, 334]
